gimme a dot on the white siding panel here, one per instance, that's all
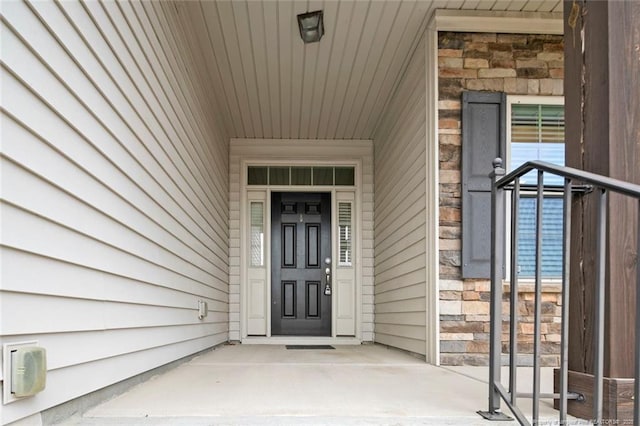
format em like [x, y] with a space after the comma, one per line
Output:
[400, 193]
[115, 187]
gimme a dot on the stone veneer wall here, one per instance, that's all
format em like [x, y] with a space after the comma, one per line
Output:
[517, 65]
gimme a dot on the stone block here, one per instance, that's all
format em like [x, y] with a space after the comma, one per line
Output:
[450, 105]
[479, 54]
[496, 73]
[449, 176]
[511, 38]
[450, 154]
[457, 73]
[484, 37]
[553, 338]
[453, 346]
[450, 244]
[556, 73]
[450, 232]
[450, 40]
[482, 337]
[449, 201]
[450, 295]
[503, 63]
[553, 47]
[510, 85]
[532, 72]
[524, 54]
[454, 285]
[456, 336]
[533, 87]
[450, 190]
[478, 347]
[450, 272]
[461, 327]
[449, 139]
[500, 47]
[522, 86]
[478, 318]
[532, 45]
[530, 63]
[483, 285]
[449, 131]
[488, 84]
[475, 47]
[475, 307]
[470, 295]
[450, 257]
[452, 359]
[450, 307]
[476, 63]
[446, 62]
[546, 86]
[450, 88]
[448, 123]
[551, 56]
[451, 318]
[469, 285]
[501, 55]
[450, 53]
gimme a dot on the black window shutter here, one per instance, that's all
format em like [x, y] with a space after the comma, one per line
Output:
[484, 120]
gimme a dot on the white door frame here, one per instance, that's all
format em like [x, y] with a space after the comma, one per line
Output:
[299, 153]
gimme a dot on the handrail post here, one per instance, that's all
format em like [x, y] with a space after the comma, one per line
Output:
[564, 339]
[598, 391]
[636, 382]
[497, 273]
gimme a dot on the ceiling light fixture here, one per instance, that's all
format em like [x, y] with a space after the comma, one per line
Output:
[311, 26]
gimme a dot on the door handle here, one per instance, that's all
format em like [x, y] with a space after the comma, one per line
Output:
[327, 272]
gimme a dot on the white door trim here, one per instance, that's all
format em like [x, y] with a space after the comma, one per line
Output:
[245, 152]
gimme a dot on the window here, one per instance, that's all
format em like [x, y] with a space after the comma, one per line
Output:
[257, 233]
[301, 175]
[536, 132]
[346, 234]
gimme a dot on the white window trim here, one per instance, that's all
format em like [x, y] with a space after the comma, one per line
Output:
[526, 100]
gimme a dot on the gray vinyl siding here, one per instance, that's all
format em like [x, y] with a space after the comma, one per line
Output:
[114, 207]
[400, 214]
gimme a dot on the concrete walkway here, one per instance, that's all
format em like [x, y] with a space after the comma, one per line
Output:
[263, 384]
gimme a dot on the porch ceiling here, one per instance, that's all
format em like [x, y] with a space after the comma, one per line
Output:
[265, 83]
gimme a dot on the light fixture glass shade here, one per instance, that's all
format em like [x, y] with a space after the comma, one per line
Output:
[311, 26]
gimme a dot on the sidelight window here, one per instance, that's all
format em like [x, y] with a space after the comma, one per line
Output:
[345, 228]
[257, 233]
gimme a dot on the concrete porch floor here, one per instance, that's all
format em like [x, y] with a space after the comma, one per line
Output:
[264, 384]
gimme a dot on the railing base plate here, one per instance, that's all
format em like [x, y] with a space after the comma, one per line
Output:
[495, 417]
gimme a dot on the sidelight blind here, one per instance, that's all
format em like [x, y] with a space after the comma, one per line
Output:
[345, 230]
[257, 234]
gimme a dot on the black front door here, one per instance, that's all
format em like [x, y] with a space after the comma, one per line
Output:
[300, 246]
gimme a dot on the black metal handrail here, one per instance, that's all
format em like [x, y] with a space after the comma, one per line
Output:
[501, 183]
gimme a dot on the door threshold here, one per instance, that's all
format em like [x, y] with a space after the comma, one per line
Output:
[300, 340]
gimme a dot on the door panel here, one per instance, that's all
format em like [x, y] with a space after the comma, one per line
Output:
[300, 243]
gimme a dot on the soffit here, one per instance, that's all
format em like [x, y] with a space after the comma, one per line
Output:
[266, 83]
